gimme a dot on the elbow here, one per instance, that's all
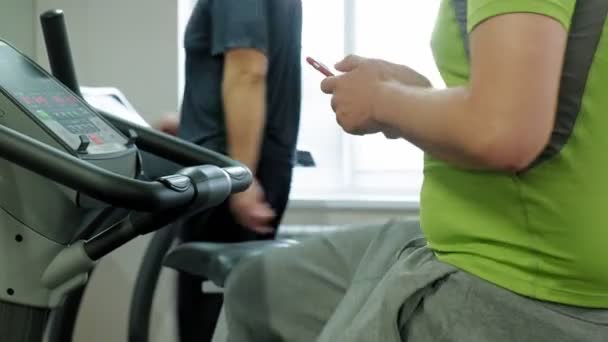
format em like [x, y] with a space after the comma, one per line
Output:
[509, 150]
[243, 80]
[252, 75]
[246, 75]
[506, 159]
[238, 82]
[245, 66]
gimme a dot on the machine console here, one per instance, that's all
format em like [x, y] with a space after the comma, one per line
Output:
[51, 104]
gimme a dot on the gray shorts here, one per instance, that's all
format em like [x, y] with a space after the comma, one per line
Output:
[383, 284]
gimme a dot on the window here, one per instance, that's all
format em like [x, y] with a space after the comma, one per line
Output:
[395, 30]
[405, 27]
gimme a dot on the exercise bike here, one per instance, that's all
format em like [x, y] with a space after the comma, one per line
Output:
[64, 167]
[211, 260]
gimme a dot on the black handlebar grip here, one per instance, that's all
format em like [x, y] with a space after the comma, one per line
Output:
[58, 49]
[241, 178]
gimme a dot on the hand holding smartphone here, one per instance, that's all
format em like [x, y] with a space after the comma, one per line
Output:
[320, 67]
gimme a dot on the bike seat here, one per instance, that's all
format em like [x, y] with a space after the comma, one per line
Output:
[215, 261]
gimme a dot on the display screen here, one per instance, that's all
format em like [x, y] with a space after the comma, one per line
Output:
[65, 114]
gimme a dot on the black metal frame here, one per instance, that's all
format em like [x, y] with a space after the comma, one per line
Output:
[62, 320]
[146, 284]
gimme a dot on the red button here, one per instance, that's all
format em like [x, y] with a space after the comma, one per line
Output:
[40, 100]
[96, 139]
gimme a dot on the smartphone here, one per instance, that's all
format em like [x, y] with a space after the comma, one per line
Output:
[319, 66]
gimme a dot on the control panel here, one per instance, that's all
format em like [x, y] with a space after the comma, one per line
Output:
[59, 110]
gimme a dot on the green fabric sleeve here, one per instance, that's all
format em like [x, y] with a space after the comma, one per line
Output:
[480, 10]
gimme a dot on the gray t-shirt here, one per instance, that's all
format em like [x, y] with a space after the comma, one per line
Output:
[216, 26]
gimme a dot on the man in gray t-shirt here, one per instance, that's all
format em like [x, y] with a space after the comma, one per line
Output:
[242, 98]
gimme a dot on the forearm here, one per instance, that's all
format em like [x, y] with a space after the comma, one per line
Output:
[245, 116]
[448, 124]
[407, 76]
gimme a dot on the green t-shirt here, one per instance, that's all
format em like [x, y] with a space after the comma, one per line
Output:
[542, 233]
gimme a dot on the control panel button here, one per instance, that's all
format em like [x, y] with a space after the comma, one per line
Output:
[96, 139]
[84, 144]
[42, 114]
[132, 137]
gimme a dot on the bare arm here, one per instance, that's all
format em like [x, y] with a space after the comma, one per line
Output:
[503, 119]
[244, 97]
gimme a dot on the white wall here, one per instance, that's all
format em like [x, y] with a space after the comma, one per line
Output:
[129, 44]
[17, 24]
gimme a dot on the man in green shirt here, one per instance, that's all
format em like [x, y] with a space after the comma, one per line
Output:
[513, 243]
